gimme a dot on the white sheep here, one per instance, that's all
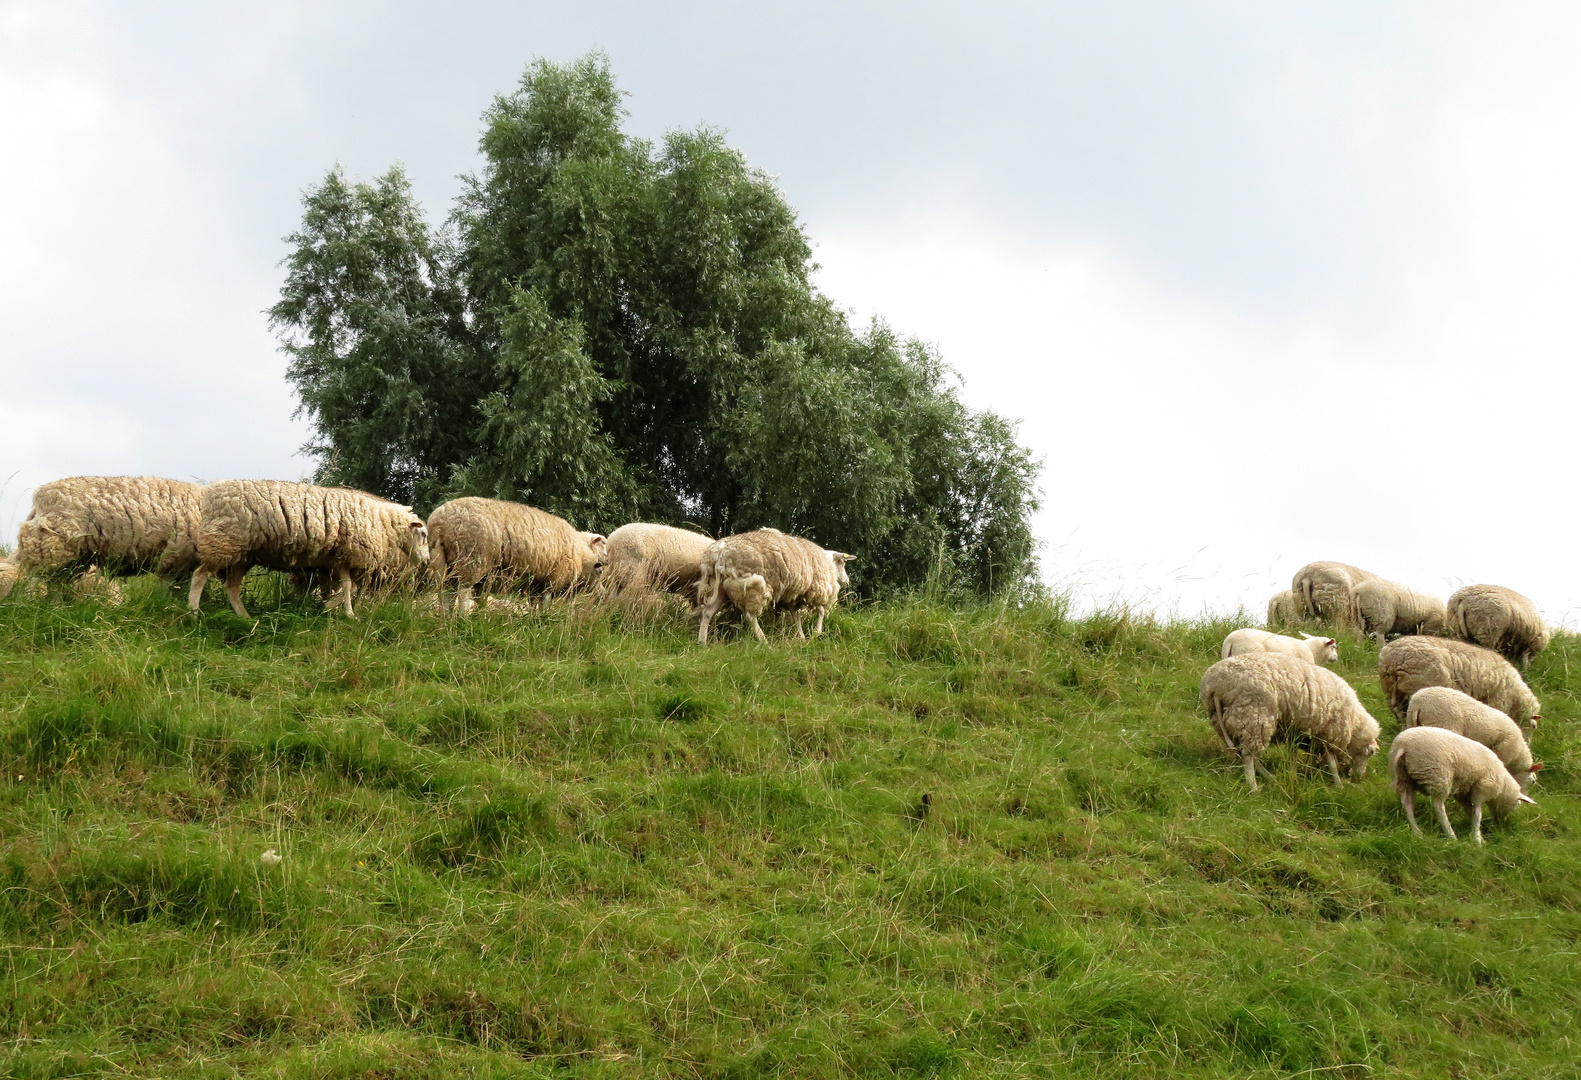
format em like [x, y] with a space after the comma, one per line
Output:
[1499, 619]
[1447, 708]
[1308, 647]
[1282, 609]
[1409, 664]
[1440, 763]
[290, 526]
[766, 569]
[647, 556]
[1385, 608]
[118, 525]
[8, 577]
[1252, 697]
[493, 543]
[1323, 590]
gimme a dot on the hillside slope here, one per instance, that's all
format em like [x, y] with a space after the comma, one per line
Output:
[574, 843]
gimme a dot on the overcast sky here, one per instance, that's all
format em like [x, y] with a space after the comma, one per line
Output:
[1264, 283]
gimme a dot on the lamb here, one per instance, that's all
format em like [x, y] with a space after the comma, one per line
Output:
[767, 569]
[1447, 708]
[292, 526]
[1441, 763]
[1282, 609]
[654, 556]
[1387, 607]
[1323, 590]
[1499, 619]
[1254, 696]
[120, 525]
[1309, 647]
[477, 541]
[1409, 664]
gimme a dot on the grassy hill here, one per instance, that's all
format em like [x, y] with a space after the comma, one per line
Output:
[573, 843]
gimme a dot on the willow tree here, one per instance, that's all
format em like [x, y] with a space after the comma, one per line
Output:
[620, 330]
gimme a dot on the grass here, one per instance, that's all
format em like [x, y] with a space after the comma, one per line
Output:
[573, 843]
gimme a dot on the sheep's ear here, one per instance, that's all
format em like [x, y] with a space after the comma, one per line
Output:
[415, 525]
[1527, 798]
[1330, 641]
[847, 558]
[1537, 766]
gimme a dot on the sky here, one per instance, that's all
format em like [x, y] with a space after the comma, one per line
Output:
[1263, 284]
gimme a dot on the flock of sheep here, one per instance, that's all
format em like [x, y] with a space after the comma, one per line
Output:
[1468, 715]
[1448, 672]
[90, 527]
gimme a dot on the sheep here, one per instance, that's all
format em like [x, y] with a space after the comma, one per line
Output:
[654, 556]
[767, 569]
[1282, 609]
[116, 525]
[1323, 590]
[1447, 708]
[1499, 619]
[8, 577]
[1253, 696]
[1408, 664]
[475, 540]
[1309, 647]
[293, 526]
[1387, 607]
[1438, 762]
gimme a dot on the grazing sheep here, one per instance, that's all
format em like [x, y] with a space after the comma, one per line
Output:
[1440, 763]
[1447, 708]
[1252, 697]
[1308, 647]
[491, 542]
[8, 575]
[1323, 590]
[1385, 608]
[1282, 609]
[120, 525]
[654, 557]
[289, 526]
[1499, 619]
[1409, 664]
[766, 569]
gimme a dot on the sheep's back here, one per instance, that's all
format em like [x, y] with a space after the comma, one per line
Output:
[124, 523]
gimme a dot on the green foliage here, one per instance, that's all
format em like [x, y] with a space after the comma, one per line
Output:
[615, 330]
[573, 843]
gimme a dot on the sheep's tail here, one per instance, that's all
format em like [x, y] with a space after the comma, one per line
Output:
[438, 565]
[1396, 764]
[1457, 620]
[1304, 594]
[709, 583]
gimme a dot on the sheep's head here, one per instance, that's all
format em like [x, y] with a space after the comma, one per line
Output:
[1363, 745]
[839, 559]
[1526, 781]
[595, 552]
[1509, 796]
[1325, 650]
[416, 539]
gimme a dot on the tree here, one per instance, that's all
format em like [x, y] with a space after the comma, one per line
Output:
[616, 331]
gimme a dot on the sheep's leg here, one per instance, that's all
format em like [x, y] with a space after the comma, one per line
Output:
[799, 633]
[1408, 800]
[1443, 817]
[707, 613]
[817, 627]
[233, 588]
[1476, 822]
[757, 629]
[1333, 766]
[464, 603]
[1249, 763]
[1263, 768]
[343, 589]
[200, 578]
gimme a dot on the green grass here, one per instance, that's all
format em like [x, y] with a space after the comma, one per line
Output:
[574, 843]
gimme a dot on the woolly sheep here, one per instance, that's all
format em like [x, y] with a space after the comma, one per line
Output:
[1323, 590]
[766, 569]
[491, 542]
[1447, 708]
[1440, 763]
[121, 525]
[1252, 697]
[1282, 609]
[291, 526]
[8, 575]
[1409, 664]
[1387, 607]
[643, 555]
[1499, 619]
[1308, 647]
